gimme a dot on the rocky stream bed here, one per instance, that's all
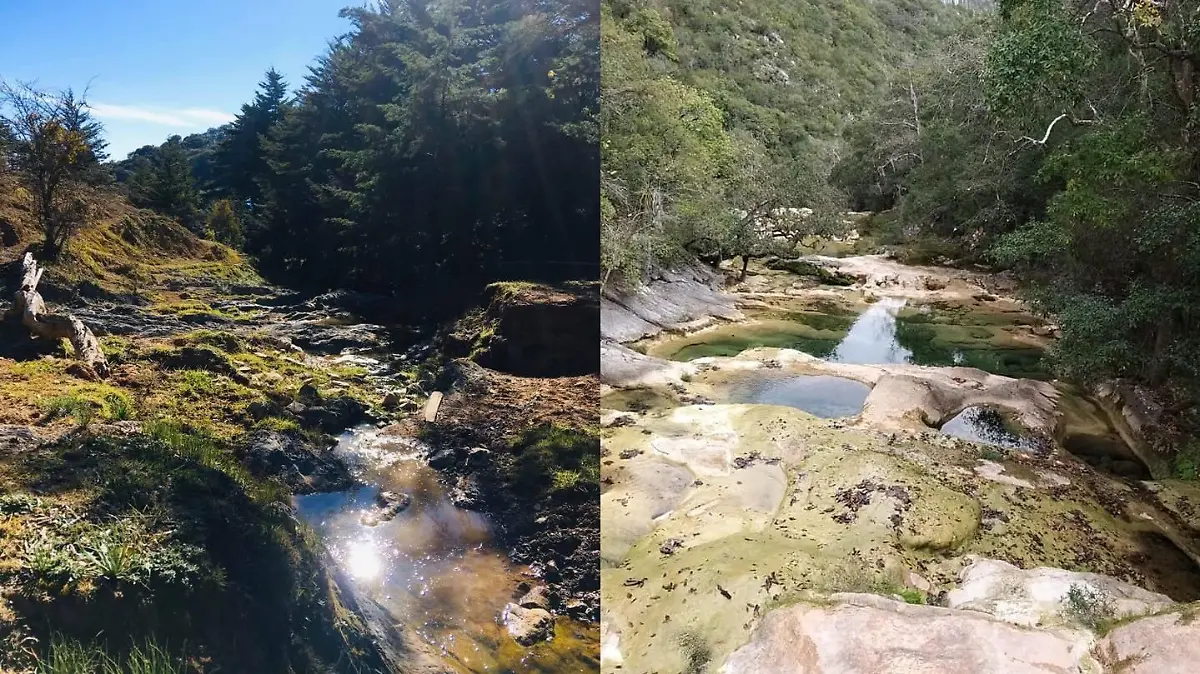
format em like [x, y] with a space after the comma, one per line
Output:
[875, 474]
[414, 525]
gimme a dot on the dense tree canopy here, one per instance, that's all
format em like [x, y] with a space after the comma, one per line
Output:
[714, 115]
[1058, 139]
[434, 146]
[450, 142]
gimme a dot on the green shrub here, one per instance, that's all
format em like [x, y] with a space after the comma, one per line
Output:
[1187, 462]
[1088, 606]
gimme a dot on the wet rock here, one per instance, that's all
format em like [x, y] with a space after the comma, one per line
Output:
[528, 626]
[391, 401]
[330, 339]
[466, 494]
[261, 409]
[333, 415]
[1163, 644]
[308, 394]
[537, 596]
[866, 633]
[1034, 596]
[388, 504]
[478, 458]
[291, 458]
[442, 458]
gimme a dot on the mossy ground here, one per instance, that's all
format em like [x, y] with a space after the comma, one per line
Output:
[117, 541]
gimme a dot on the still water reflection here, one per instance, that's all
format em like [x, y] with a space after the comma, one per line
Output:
[434, 567]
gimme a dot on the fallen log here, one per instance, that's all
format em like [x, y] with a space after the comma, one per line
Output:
[28, 304]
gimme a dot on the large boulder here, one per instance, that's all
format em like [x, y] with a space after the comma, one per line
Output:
[538, 331]
[1037, 596]
[861, 633]
[1161, 644]
[680, 299]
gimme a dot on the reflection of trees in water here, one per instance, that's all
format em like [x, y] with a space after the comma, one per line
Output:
[991, 426]
[921, 338]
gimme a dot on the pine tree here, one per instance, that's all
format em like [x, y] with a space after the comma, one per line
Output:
[167, 186]
[239, 158]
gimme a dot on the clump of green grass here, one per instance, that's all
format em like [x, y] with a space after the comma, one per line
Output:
[565, 458]
[68, 656]
[78, 407]
[206, 449]
[278, 424]
[188, 443]
[225, 341]
[196, 384]
[67, 554]
[18, 503]
[118, 406]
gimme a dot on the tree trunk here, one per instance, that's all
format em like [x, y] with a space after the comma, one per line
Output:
[28, 304]
[745, 264]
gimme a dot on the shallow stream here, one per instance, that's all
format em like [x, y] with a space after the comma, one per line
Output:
[434, 568]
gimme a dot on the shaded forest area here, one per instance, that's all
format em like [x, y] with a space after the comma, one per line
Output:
[431, 150]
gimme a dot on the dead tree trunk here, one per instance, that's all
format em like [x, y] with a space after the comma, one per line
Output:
[28, 304]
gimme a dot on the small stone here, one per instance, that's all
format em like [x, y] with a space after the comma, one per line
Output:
[528, 626]
[537, 597]
[478, 457]
[391, 401]
[296, 408]
[308, 394]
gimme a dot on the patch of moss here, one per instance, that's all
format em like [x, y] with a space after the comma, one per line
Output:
[554, 458]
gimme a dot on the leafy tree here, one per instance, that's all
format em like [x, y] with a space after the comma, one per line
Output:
[54, 146]
[223, 224]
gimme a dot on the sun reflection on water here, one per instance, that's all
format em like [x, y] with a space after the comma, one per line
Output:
[433, 567]
[363, 560]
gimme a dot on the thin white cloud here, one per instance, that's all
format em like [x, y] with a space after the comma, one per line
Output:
[163, 116]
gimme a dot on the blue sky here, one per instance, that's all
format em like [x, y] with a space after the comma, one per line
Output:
[163, 67]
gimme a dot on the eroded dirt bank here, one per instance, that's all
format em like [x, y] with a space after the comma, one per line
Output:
[751, 525]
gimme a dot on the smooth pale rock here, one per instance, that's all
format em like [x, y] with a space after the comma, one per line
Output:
[1035, 596]
[863, 634]
[990, 470]
[679, 299]
[527, 626]
[1163, 644]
